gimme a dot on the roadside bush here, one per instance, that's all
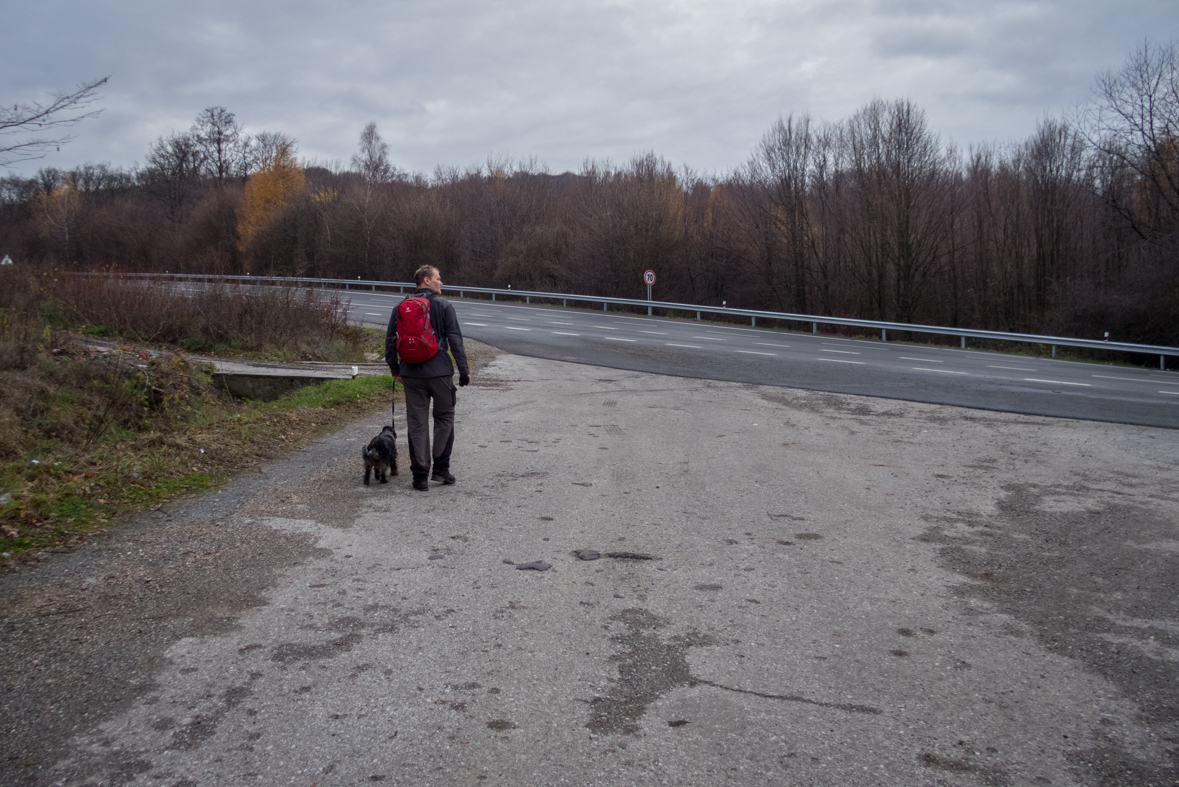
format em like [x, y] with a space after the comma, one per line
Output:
[288, 323]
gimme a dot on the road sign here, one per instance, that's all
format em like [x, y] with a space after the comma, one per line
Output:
[649, 277]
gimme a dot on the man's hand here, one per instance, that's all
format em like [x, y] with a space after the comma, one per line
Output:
[464, 379]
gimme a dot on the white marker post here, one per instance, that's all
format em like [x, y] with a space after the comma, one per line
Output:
[649, 278]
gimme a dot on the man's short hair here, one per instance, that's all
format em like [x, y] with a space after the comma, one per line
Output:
[423, 273]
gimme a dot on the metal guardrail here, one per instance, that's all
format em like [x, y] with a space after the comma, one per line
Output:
[1162, 351]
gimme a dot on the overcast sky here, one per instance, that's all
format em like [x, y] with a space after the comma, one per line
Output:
[454, 82]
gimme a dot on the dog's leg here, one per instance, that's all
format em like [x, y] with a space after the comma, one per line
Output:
[367, 471]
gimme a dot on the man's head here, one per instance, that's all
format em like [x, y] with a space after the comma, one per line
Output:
[428, 276]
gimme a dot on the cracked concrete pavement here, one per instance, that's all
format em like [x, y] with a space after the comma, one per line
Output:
[844, 590]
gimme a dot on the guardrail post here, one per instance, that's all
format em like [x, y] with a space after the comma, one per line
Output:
[604, 306]
[815, 328]
[963, 342]
[884, 334]
[697, 316]
[754, 321]
[1162, 363]
[493, 297]
[527, 299]
[648, 311]
[1054, 351]
[563, 304]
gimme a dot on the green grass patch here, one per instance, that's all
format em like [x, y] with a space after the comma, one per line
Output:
[57, 492]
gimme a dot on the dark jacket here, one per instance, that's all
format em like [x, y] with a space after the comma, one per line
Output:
[446, 330]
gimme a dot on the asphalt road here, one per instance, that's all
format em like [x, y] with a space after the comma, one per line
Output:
[980, 380]
[840, 590]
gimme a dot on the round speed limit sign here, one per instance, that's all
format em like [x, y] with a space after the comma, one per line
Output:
[649, 277]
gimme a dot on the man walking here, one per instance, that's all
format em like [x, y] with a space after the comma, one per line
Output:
[429, 379]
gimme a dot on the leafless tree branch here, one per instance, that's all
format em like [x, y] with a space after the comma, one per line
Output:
[28, 130]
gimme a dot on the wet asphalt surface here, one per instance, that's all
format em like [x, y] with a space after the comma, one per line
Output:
[806, 588]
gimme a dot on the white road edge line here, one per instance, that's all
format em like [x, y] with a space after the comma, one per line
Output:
[943, 371]
[767, 344]
[922, 360]
[480, 324]
[1170, 393]
[514, 328]
[565, 333]
[839, 360]
[616, 339]
[842, 352]
[689, 346]
[708, 338]
[1012, 368]
[755, 352]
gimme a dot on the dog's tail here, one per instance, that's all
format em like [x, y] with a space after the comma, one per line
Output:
[367, 453]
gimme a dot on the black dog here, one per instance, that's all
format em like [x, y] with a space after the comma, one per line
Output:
[381, 453]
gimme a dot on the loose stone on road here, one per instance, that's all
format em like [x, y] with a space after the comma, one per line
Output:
[741, 584]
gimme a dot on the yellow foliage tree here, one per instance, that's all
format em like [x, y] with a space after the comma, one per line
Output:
[267, 191]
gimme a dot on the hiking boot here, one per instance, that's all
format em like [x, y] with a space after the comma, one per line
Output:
[442, 477]
[421, 485]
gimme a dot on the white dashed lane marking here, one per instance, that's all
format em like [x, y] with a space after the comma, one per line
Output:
[1055, 382]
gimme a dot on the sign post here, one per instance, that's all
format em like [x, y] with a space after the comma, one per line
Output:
[649, 278]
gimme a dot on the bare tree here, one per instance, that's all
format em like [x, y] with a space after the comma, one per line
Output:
[780, 171]
[372, 158]
[28, 130]
[1133, 125]
[268, 146]
[224, 147]
[174, 164]
[369, 197]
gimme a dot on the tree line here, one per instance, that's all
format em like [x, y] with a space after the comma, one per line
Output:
[1073, 231]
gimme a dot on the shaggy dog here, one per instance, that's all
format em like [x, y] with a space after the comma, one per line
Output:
[381, 453]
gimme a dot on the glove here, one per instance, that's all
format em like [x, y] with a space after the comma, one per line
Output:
[464, 379]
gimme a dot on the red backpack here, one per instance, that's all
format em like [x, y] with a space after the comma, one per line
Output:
[416, 342]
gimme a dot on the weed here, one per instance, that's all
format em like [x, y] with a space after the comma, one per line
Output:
[89, 433]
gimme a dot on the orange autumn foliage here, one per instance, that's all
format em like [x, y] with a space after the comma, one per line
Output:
[267, 191]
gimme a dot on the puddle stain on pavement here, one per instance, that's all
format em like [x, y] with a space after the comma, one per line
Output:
[649, 668]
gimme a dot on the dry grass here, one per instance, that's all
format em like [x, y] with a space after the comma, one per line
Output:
[222, 319]
[88, 434]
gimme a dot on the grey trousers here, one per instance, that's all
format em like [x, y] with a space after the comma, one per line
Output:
[419, 391]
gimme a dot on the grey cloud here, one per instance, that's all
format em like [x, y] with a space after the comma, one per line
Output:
[451, 82]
